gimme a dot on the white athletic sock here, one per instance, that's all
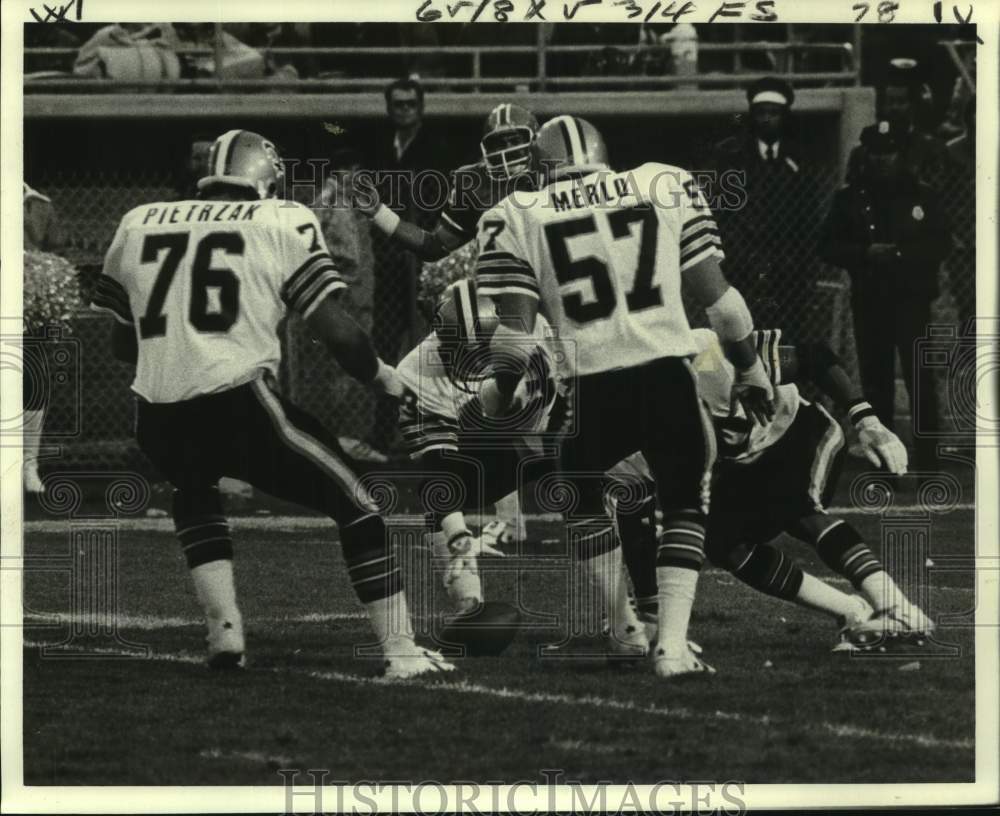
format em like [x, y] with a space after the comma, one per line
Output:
[881, 591]
[34, 422]
[213, 584]
[676, 590]
[625, 616]
[509, 510]
[821, 597]
[602, 588]
[390, 619]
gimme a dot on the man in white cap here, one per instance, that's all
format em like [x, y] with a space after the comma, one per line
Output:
[770, 228]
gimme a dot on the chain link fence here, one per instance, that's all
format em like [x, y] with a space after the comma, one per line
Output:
[776, 258]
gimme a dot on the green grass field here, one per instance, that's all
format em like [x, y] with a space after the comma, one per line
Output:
[782, 708]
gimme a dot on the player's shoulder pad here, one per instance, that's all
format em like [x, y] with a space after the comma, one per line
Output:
[656, 179]
[287, 213]
[133, 214]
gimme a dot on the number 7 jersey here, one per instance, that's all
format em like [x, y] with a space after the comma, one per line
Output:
[603, 253]
[205, 284]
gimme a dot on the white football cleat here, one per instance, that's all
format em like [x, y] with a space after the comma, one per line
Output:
[901, 621]
[687, 662]
[857, 617]
[629, 641]
[405, 659]
[496, 535]
[225, 643]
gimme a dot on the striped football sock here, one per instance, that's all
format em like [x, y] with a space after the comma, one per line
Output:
[376, 578]
[679, 559]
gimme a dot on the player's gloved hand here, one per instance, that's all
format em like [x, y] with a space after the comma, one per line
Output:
[464, 551]
[387, 381]
[881, 446]
[753, 390]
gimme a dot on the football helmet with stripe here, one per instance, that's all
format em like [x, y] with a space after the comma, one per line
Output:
[464, 322]
[508, 135]
[569, 144]
[242, 158]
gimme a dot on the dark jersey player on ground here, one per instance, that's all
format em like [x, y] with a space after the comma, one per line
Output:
[508, 136]
[603, 255]
[198, 289]
[780, 478]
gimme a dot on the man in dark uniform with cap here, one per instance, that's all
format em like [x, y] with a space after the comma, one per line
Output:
[889, 231]
[770, 234]
[899, 102]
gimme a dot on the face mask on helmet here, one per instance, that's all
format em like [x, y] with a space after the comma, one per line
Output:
[507, 153]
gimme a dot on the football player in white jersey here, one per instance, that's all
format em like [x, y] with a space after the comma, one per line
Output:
[506, 165]
[603, 255]
[446, 431]
[198, 288]
[779, 478]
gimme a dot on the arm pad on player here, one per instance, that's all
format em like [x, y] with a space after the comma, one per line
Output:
[385, 219]
[729, 317]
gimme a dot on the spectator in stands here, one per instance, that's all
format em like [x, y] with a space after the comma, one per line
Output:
[770, 238]
[403, 152]
[900, 101]
[45, 287]
[889, 231]
[347, 234]
[130, 51]
[41, 228]
[195, 165]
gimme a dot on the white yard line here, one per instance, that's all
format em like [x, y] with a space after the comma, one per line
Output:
[154, 622]
[249, 756]
[315, 523]
[587, 701]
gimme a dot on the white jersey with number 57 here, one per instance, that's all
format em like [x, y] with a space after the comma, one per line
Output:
[603, 252]
[205, 284]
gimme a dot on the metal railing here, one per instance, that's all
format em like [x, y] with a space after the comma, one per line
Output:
[473, 79]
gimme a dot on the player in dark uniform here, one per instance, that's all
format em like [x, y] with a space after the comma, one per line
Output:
[779, 478]
[508, 135]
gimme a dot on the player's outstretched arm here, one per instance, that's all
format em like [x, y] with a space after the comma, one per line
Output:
[818, 363]
[730, 320]
[428, 246]
[351, 346]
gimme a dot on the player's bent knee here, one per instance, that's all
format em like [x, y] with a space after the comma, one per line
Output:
[770, 571]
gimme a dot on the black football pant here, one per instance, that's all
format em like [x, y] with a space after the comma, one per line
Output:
[251, 433]
[655, 409]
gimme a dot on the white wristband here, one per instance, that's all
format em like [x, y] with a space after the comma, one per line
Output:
[385, 219]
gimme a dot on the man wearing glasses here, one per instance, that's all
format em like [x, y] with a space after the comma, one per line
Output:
[405, 153]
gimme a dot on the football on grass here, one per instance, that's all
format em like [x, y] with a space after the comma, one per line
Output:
[482, 632]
